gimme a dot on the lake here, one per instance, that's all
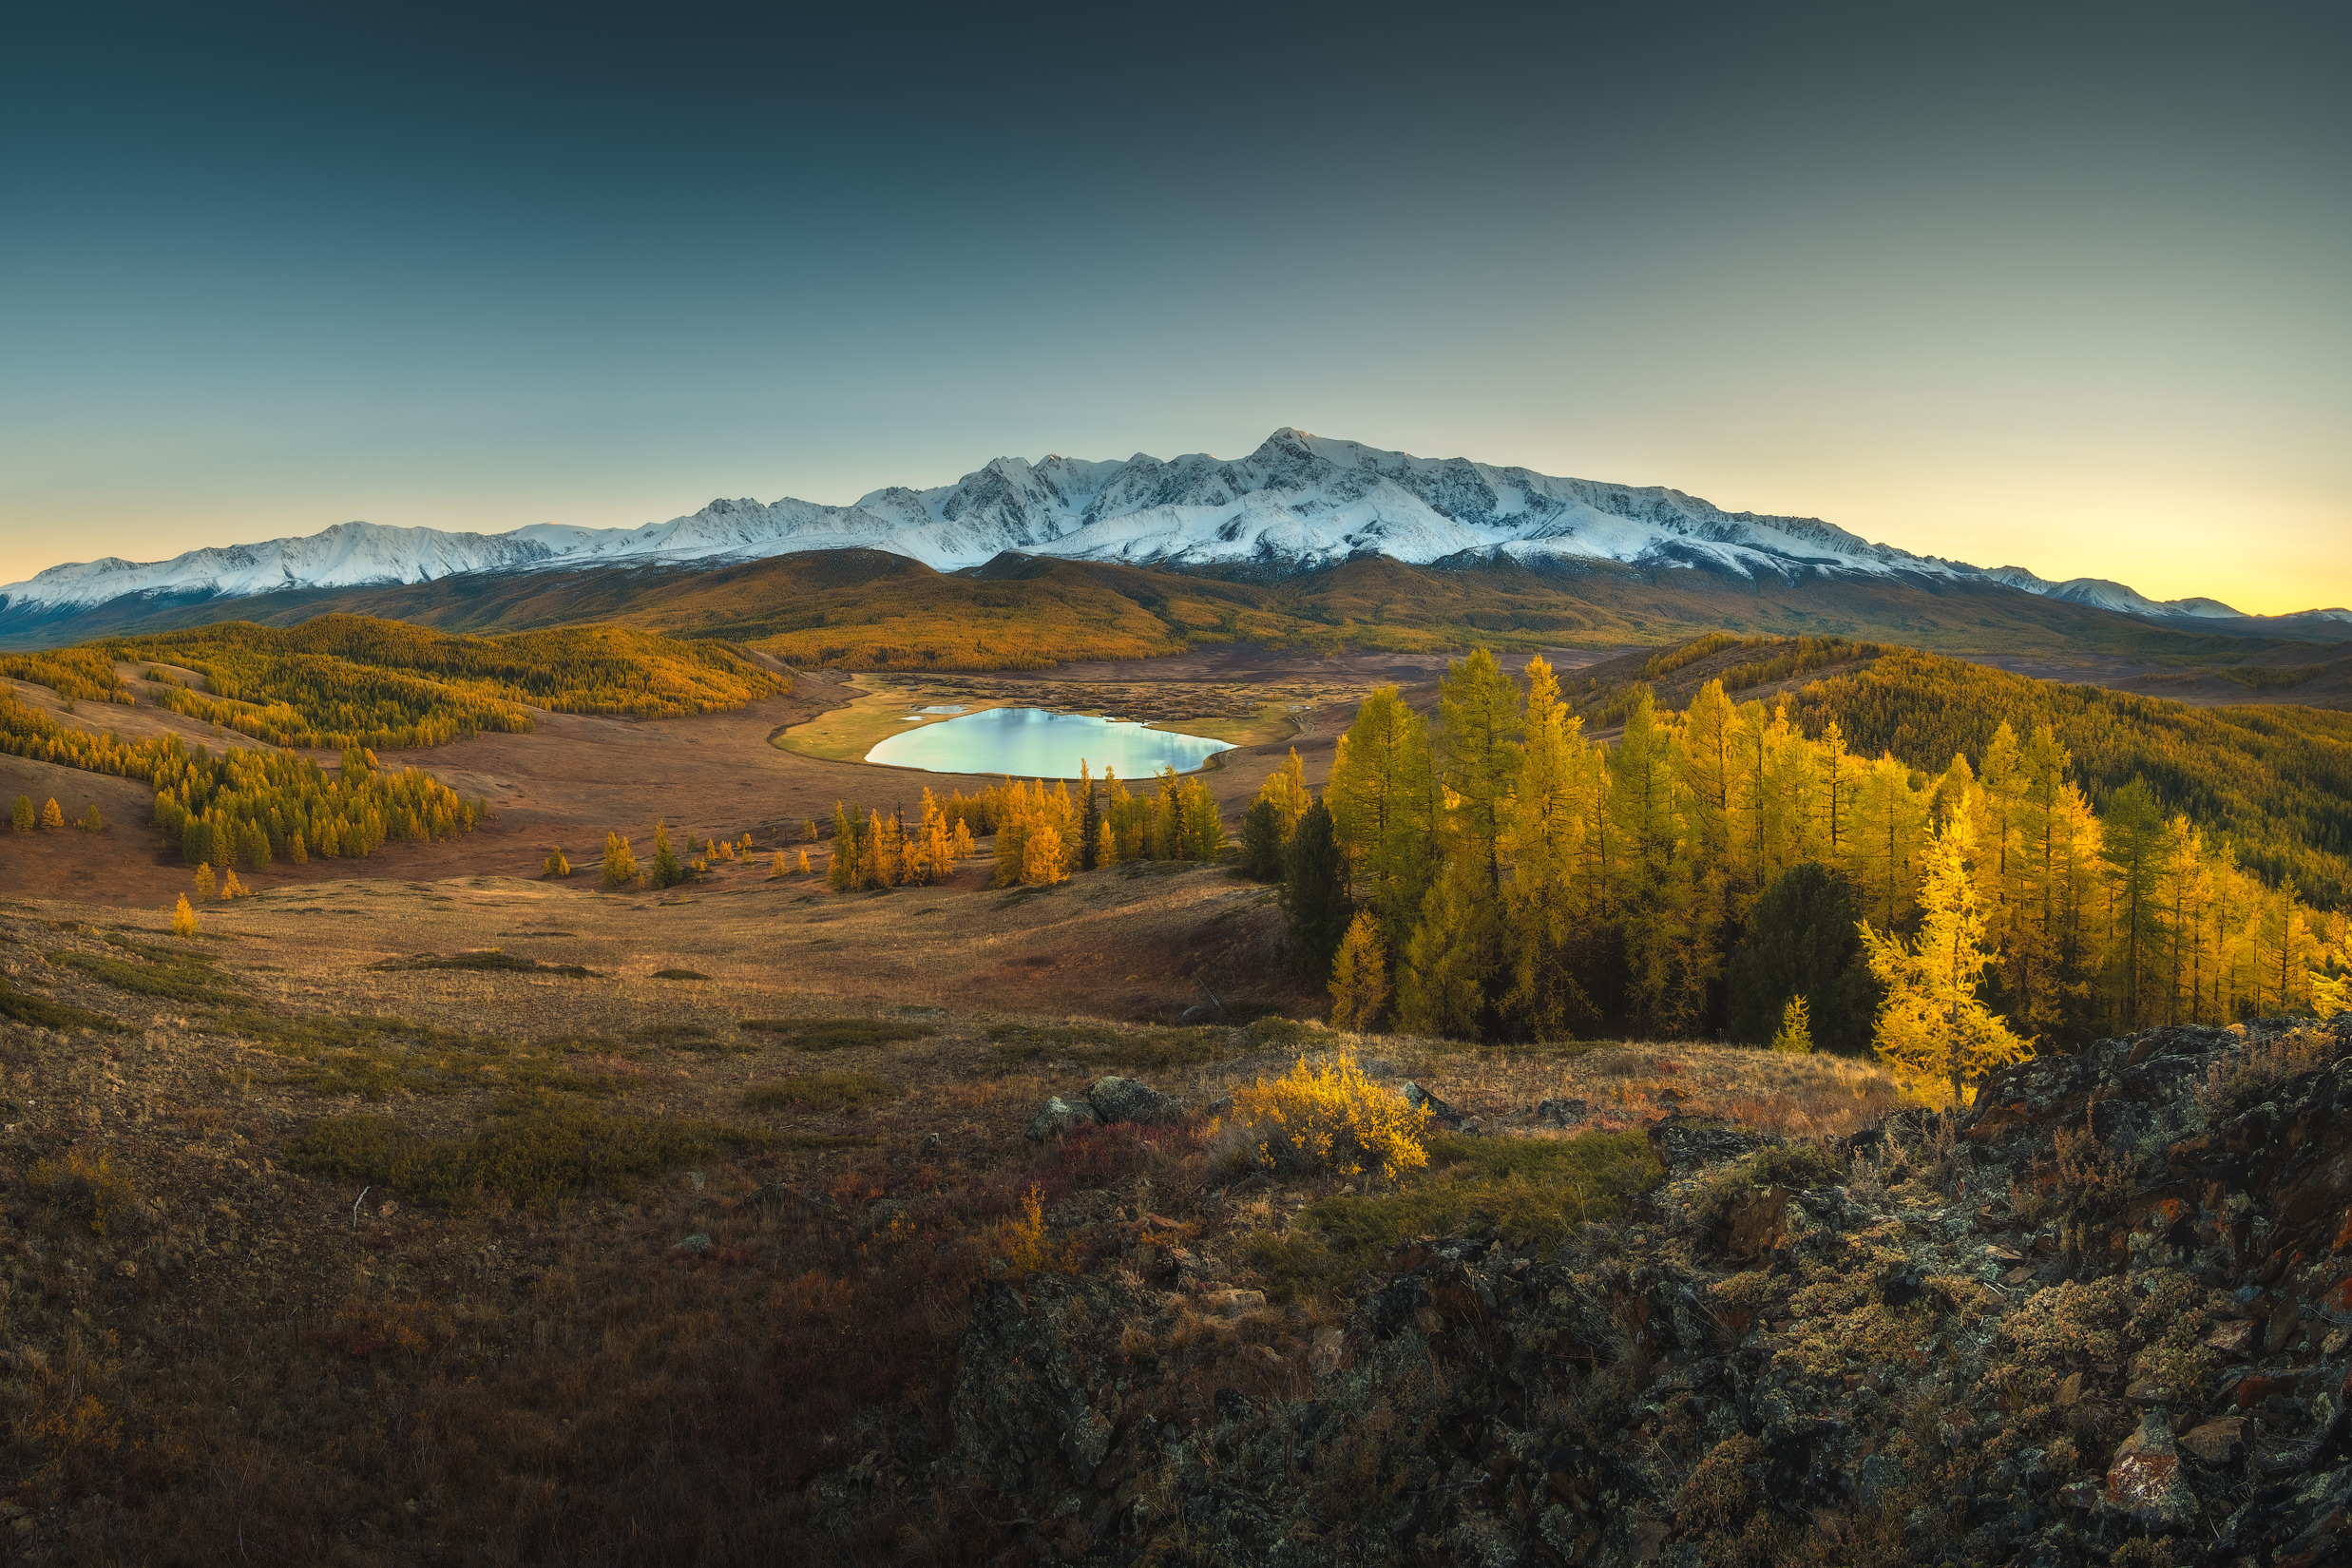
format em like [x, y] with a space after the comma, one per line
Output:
[1034, 743]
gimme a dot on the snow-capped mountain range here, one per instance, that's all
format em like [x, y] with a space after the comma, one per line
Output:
[1299, 501]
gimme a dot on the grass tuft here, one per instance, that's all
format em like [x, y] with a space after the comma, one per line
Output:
[822, 1091]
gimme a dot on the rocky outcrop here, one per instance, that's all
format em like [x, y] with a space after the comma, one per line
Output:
[2102, 1316]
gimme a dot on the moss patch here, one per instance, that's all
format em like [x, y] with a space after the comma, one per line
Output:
[1522, 1190]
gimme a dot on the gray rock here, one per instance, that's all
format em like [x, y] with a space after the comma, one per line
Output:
[1443, 1114]
[1565, 1113]
[1060, 1116]
[1117, 1099]
[695, 1243]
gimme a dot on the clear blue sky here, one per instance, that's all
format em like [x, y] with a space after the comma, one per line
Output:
[2069, 287]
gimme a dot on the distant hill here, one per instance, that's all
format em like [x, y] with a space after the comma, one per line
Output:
[872, 610]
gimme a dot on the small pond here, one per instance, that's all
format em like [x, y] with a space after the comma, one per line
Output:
[1034, 743]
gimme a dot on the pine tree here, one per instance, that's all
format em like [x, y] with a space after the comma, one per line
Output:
[556, 865]
[183, 919]
[23, 819]
[1803, 941]
[91, 822]
[1285, 790]
[1203, 830]
[1479, 723]
[1443, 984]
[51, 814]
[1795, 1037]
[1042, 856]
[1932, 1025]
[2132, 833]
[778, 865]
[206, 885]
[230, 886]
[1314, 894]
[1359, 977]
[620, 863]
[1383, 799]
[665, 871]
[1654, 891]
[1890, 829]
[802, 870]
[1089, 839]
[1261, 841]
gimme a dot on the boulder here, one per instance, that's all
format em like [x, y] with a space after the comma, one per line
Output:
[1117, 1099]
[2144, 1483]
[1564, 1113]
[1443, 1114]
[1060, 1116]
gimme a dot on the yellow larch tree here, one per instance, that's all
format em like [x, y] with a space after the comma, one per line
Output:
[1359, 977]
[1932, 1025]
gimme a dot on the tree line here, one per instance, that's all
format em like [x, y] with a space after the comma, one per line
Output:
[244, 807]
[1508, 878]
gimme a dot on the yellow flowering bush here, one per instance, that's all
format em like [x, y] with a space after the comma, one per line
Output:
[1326, 1116]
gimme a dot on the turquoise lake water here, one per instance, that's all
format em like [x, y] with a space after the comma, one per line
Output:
[1034, 743]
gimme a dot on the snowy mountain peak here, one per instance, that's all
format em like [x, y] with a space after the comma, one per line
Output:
[1296, 501]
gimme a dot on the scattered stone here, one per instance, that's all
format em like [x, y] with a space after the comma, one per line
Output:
[1565, 1113]
[820, 1203]
[1116, 1100]
[2144, 1483]
[697, 1242]
[2216, 1441]
[1232, 1302]
[1060, 1116]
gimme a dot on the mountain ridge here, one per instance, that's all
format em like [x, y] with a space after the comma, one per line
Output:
[1297, 503]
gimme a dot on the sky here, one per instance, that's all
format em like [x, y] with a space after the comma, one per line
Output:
[2066, 287]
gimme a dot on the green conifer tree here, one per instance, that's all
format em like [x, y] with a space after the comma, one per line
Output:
[1314, 894]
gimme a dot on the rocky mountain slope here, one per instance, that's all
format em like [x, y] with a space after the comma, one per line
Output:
[2104, 1318]
[1297, 503]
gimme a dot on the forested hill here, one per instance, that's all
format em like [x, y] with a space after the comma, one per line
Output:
[341, 680]
[2276, 779]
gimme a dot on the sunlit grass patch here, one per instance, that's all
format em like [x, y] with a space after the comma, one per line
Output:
[822, 1091]
[1525, 1191]
[536, 1150]
[836, 1034]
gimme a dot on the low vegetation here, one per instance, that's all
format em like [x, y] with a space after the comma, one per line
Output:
[1521, 1191]
[834, 1034]
[535, 1150]
[822, 1091]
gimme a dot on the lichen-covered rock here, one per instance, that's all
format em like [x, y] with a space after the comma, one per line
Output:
[1116, 1100]
[1060, 1116]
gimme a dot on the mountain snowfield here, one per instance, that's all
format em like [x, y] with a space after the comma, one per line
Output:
[1299, 501]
